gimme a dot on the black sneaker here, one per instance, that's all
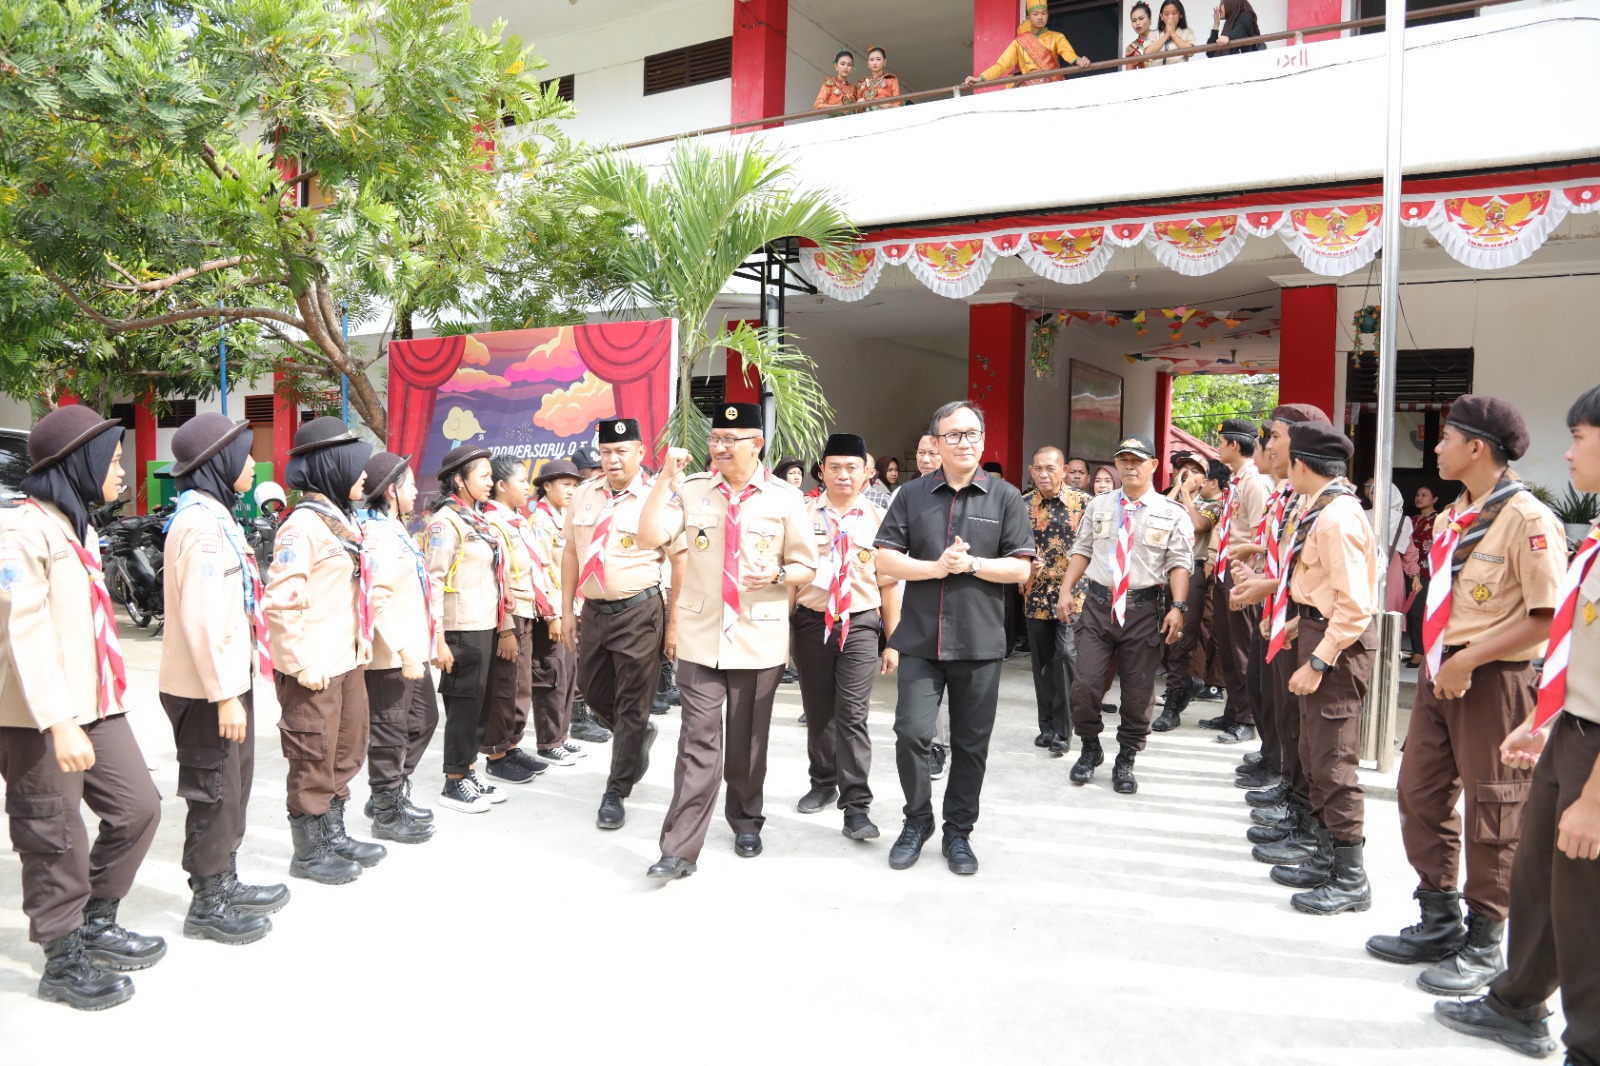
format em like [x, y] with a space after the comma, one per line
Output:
[1262, 777]
[486, 790]
[908, 848]
[1236, 733]
[790, 676]
[558, 757]
[936, 766]
[857, 826]
[612, 815]
[1209, 692]
[1218, 722]
[957, 851]
[508, 770]
[459, 795]
[528, 762]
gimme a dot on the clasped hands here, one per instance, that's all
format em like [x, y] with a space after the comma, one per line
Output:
[955, 559]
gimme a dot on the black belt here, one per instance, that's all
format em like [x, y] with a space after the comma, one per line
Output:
[1136, 597]
[853, 614]
[1309, 613]
[614, 606]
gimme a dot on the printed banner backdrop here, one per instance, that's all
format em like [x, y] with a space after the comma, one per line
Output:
[533, 393]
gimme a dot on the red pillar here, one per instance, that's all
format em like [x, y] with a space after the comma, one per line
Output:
[144, 448]
[760, 51]
[1308, 346]
[285, 421]
[740, 385]
[994, 25]
[997, 358]
[1313, 13]
[1164, 426]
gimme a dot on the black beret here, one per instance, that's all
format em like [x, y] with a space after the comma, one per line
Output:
[737, 416]
[202, 437]
[382, 470]
[1319, 440]
[459, 457]
[322, 432]
[62, 432]
[1493, 419]
[846, 445]
[1290, 413]
[1239, 429]
[619, 430]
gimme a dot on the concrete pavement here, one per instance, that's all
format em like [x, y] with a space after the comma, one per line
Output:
[1101, 928]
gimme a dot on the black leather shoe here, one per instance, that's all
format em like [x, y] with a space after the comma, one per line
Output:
[391, 822]
[112, 947]
[611, 815]
[1267, 834]
[670, 868]
[1267, 796]
[1261, 779]
[72, 978]
[1236, 733]
[1122, 779]
[958, 855]
[1108, 708]
[1044, 739]
[1218, 722]
[1091, 756]
[1060, 745]
[814, 801]
[1297, 847]
[586, 727]
[1470, 969]
[1476, 1017]
[908, 848]
[857, 826]
[1251, 760]
[1271, 815]
[747, 845]
[645, 744]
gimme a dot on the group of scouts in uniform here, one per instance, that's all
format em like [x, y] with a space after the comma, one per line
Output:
[719, 570]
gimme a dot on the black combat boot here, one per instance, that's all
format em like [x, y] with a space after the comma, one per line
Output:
[1122, 779]
[313, 858]
[212, 917]
[1346, 890]
[1314, 870]
[1271, 832]
[1297, 847]
[1177, 701]
[253, 899]
[1439, 935]
[1267, 795]
[585, 726]
[71, 978]
[415, 813]
[391, 820]
[346, 846]
[1091, 756]
[669, 684]
[1473, 966]
[113, 947]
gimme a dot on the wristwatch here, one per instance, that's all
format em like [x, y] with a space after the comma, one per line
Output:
[977, 564]
[780, 576]
[1319, 666]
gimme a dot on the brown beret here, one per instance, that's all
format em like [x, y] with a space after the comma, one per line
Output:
[1290, 413]
[1319, 440]
[63, 431]
[1494, 420]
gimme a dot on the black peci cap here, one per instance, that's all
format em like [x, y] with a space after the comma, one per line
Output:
[845, 445]
[737, 416]
[618, 431]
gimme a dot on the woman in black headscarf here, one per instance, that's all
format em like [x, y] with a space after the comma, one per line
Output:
[63, 738]
[209, 656]
[1234, 20]
[318, 606]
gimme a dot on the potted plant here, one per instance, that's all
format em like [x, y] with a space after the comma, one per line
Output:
[1577, 511]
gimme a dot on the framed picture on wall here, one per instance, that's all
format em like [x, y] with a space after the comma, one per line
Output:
[1095, 425]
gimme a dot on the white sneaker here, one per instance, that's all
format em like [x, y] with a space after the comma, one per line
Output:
[484, 789]
[459, 795]
[558, 756]
[574, 749]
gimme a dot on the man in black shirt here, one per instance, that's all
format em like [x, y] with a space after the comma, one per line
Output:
[957, 537]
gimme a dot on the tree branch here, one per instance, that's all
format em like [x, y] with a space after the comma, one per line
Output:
[162, 284]
[216, 162]
[128, 325]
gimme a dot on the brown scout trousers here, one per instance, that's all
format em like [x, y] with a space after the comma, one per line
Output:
[510, 691]
[324, 737]
[1453, 746]
[1286, 706]
[1330, 732]
[619, 665]
[708, 754]
[555, 678]
[1137, 646]
[214, 779]
[1185, 658]
[404, 715]
[1555, 939]
[1267, 708]
[835, 691]
[60, 871]
[1232, 631]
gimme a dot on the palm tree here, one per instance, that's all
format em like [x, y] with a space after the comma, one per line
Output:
[693, 225]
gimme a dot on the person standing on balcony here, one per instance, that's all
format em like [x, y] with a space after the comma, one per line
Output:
[1498, 561]
[1035, 48]
[1242, 507]
[837, 89]
[879, 84]
[1144, 38]
[1234, 20]
[1173, 33]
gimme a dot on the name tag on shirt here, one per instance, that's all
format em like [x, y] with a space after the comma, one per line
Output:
[1484, 557]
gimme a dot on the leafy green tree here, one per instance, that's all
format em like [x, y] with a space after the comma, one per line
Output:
[1200, 402]
[692, 225]
[164, 166]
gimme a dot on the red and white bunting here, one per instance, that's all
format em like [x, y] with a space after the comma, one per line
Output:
[849, 278]
[1195, 247]
[1333, 241]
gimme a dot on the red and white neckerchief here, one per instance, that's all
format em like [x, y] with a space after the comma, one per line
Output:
[1553, 679]
[254, 590]
[594, 560]
[730, 550]
[536, 580]
[1436, 616]
[107, 651]
[1227, 519]
[1119, 559]
[479, 526]
[1283, 566]
[839, 585]
[1270, 532]
[356, 545]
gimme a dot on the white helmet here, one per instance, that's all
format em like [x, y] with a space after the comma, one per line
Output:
[270, 492]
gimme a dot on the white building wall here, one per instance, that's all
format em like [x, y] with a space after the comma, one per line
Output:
[810, 61]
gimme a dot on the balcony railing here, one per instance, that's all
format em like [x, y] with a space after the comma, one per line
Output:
[961, 89]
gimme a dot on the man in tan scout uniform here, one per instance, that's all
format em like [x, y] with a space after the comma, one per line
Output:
[1497, 568]
[618, 573]
[837, 620]
[1242, 506]
[749, 540]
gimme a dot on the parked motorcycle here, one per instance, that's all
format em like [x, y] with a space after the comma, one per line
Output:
[131, 552]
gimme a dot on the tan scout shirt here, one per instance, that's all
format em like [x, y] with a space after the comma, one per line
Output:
[864, 579]
[466, 584]
[208, 645]
[1250, 493]
[520, 561]
[1336, 571]
[48, 670]
[399, 604]
[550, 529]
[630, 569]
[1583, 661]
[1516, 568]
[774, 531]
[1163, 538]
[313, 600]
